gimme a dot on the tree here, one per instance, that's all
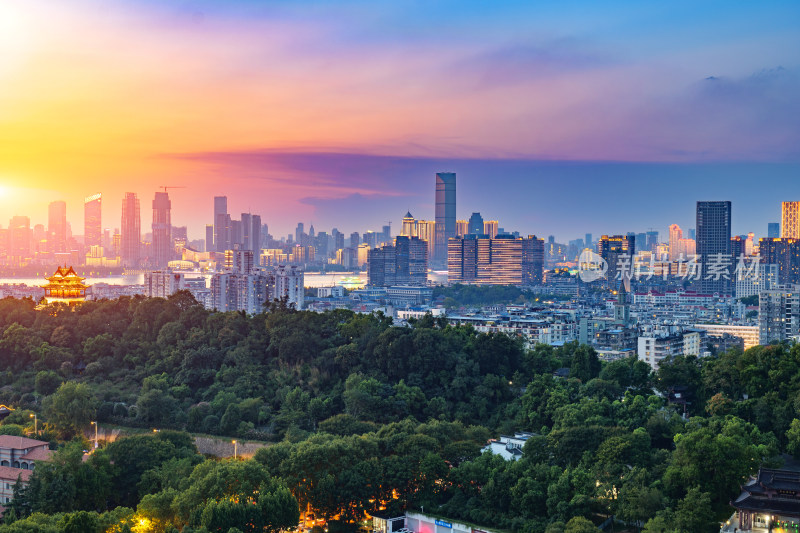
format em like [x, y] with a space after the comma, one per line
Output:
[793, 439]
[585, 364]
[81, 522]
[47, 382]
[694, 513]
[580, 524]
[66, 483]
[715, 457]
[70, 408]
[637, 503]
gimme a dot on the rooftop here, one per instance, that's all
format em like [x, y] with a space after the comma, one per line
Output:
[19, 443]
[12, 474]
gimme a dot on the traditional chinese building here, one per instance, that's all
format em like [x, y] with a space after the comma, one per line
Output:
[64, 286]
[771, 500]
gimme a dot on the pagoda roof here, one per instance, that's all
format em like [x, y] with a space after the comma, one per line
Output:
[65, 274]
[774, 491]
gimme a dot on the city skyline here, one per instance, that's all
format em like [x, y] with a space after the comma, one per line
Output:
[299, 114]
[759, 211]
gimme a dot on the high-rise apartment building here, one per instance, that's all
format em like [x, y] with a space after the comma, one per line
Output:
[161, 249]
[239, 261]
[478, 259]
[652, 240]
[382, 266]
[409, 227]
[405, 263]
[19, 240]
[779, 314]
[714, 247]
[773, 230]
[462, 228]
[790, 220]
[57, 226]
[131, 231]
[675, 235]
[445, 213]
[92, 220]
[251, 232]
[785, 253]
[287, 283]
[754, 278]
[491, 228]
[209, 238]
[222, 225]
[617, 251]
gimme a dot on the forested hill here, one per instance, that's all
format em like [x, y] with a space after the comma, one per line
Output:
[361, 412]
[169, 363]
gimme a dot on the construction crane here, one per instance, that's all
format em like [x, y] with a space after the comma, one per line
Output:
[165, 187]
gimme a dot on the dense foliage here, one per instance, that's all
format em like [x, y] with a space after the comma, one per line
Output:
[365, 414]
[459, 295]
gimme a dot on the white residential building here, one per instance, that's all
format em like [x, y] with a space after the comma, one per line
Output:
[508, 447]
[747, 333]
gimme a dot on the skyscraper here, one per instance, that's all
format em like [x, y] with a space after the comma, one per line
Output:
[161, 251]
[131, 231]
[617, 250]
[675, 236]
[773, 230]
[247, 231]
[778, 314]
[481, 260]
[209, 238]
[790, 220]
[222, 225]
[19, 240]
[92, 225]
[491, 228]
[714, 247]
[409, 226]
[57, 226]
[445, 213]
[255, 234]
[652, 240]
[475, 224]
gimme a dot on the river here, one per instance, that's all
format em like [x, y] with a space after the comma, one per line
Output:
[348, 280]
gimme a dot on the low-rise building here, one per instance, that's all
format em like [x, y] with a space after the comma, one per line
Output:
[655, 345]
[748, 334]
[769, 501]
[9, 477]
[21, 452]
[507, 446]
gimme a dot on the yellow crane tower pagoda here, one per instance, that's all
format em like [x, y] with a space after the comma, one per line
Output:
[64, 286]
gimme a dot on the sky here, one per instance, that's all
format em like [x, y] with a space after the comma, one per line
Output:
[558, 117]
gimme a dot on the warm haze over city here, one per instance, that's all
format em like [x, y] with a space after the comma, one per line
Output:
[399, 266]
[311, 110]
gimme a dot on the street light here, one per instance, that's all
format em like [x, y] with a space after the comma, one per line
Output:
[35, 424]
[95, 434]
[235, 449]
